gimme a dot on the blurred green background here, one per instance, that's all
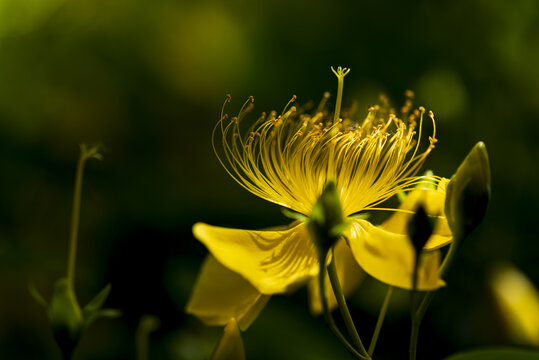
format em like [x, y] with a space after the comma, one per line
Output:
[147, 79]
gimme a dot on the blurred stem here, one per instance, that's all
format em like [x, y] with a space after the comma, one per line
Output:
[450, 254]
[339, 295]
[419, 313]
[380, 320]
[148, 324]
[85, 154]
[413, 338]
[327, 314]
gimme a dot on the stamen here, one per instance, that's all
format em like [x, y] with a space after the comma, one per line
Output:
[323, 102]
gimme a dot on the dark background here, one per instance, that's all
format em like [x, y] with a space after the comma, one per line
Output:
[147, 80]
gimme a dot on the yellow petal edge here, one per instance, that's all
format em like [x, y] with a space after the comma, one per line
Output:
[272, 261]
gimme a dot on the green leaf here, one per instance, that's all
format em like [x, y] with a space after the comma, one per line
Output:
[37, 296]
[497, 354]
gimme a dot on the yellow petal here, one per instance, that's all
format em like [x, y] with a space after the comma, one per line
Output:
[350, 276]
[220, 295]
[433, 201]
[230, 347]
[389, 257]
[272, 261]
[518, 301]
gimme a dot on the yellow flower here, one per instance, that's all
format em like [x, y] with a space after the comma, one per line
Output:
[288, 159]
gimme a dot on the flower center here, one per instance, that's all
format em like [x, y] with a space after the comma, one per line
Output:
[289, 158]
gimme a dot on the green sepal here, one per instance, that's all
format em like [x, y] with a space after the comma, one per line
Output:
[93, 310]
[294, 215]
[37, 296]
[103, 313]
[360, 216]
[65, 316]
[97, 302]
[468, 192]
[326, 223]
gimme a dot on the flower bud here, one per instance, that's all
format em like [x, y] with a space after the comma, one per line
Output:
[420, 229]
[468, 192]
[326, 223]
[65, 316]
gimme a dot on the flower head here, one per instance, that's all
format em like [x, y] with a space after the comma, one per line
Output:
[289, 159]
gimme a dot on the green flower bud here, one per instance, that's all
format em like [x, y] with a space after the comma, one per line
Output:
[420, 229]
[326, 223]
[66, 317]
[468, 192]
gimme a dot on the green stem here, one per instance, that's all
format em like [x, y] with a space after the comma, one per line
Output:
[380, 320]
[419, 313]
[86, 153]
[413, 338]
[450, 255]
[339, 295]
[327, 314]
[75, 216]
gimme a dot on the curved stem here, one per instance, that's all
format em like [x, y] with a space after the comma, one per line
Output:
[85, 154]
[337, 289]
[327, 313]
[380, 320]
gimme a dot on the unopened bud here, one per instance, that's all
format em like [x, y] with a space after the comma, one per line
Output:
[420, 229]
[65, 316]
[468, 192]
[326, 223]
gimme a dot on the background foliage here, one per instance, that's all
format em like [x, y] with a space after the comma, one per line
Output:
[147, 79]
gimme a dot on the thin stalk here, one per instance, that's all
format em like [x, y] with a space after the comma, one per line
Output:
[339, 295]
[327, 314]
[419, 312]
[86, 153]
[75, 216]
[380, 320]
[413, 338]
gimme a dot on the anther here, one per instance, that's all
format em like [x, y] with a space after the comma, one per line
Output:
[431, 114]
[235, 119]
[228, 97]
[370, 109]
[422, 109]
[409, 94]
[251, 99]
[294, 97]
